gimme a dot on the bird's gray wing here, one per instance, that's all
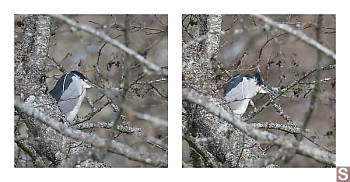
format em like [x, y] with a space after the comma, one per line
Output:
[232, 83]
[237, 99]
[63, 82]
[71, 97]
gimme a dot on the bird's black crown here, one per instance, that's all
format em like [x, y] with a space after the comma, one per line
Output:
[237, 78]
[81, 76]
[258, 79]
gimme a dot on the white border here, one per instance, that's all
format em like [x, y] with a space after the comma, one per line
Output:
[174, 9]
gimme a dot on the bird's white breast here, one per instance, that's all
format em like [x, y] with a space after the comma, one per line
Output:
[240, 96]
[72, 98]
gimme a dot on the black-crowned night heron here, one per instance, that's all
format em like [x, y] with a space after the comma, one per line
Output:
[70, 91]
[240, 89]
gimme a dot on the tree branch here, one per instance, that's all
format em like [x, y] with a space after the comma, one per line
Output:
[110, 145]
[102, 35]
[37, 161]
[332, 66]
[316, 89]
[208, 157]
[150, 118]
[292, 129]
[298, 34]
[106, 125]
[304, 149]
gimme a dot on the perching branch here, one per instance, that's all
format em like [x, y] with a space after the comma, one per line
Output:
[106, 125]
[332, 66]
[303, 149]
[102, 35]
[298, 34]
[110, 145]
[194, 97]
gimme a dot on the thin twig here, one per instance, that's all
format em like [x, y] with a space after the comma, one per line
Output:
[332, 66]
[91, 103]
[298, 34]
[158, 91]
[36, 158]
[157, 143]
[114, 42]
[314, 94]
[150, 82]
[76, 159]
[125, 79]
[207, 156]
[280, 111]
[90, 115]
[304, 149]
[110, 145]
[58, 66]
[147, 117]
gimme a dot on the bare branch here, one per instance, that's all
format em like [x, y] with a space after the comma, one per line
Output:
[90, 115]
[152, 119]
[194, 97]
[304, 149]
[270, 158]
[292, 129]
[298, 34]
[332, 66]
[30, 67]
[37, 161]
[212, 43]
[208, 157]
[150, 65]
[106, 125]
[93, 153]
[157, 143]
[152, 81]
[316, 89]
[110, 145]
[280, 111]
[200, 39]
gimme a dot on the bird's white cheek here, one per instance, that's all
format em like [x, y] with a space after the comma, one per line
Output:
[86, 85]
